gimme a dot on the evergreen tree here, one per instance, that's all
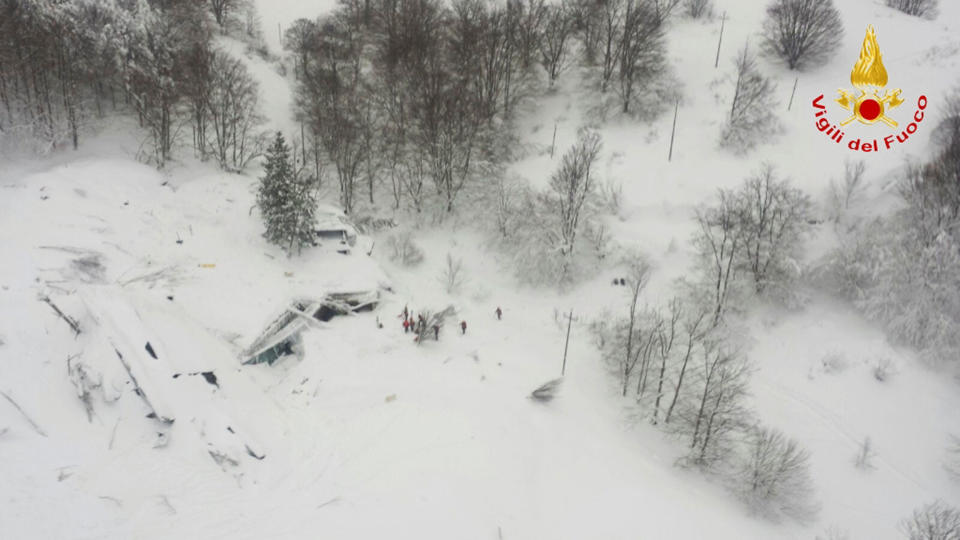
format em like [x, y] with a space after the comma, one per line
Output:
[287, 200]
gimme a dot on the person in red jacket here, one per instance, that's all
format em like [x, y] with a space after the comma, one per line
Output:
[406, 325]
[463, 327]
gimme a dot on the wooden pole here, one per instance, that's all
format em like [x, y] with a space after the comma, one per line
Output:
[303, 146]
[673, 131]
[723, 21]
[553, 144]
[795, 81]
[566, 344]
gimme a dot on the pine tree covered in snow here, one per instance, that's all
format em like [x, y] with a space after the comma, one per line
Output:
[287, 200]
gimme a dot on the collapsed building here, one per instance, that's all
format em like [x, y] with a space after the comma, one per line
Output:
[281, 337]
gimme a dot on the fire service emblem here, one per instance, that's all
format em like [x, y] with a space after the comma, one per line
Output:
[869, 77]
[870, 102]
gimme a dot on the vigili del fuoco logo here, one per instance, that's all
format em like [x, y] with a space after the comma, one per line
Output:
[872, 104]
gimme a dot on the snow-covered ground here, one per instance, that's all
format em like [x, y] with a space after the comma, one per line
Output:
[370, 435]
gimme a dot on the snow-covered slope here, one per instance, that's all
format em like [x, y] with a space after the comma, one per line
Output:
[370, 435]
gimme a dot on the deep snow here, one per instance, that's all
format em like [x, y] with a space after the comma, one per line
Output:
[458, 451]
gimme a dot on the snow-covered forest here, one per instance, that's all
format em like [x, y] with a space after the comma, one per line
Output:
[493, 269]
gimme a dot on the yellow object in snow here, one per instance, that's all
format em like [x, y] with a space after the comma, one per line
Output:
[207, 265]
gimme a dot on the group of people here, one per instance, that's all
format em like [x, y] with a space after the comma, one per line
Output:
[419, 325]
[416, 326]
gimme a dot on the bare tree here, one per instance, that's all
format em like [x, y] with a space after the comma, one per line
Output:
[802, 32]
[917, 8]
[555, 40]
[834, 532]
[934, 521]
[642, 46]
[698, 8]
[609, 22]
[234, 134]
[694, 334]
[333, 97]
[223, 9]
[302, 38]
[718, 411]
[774, 476]
[845, 195]
[774, 217]
[661, 9]
[719, 241]
[633, 337]
[403, 250]
[865, 455]
[751, 118]
[452, 277]
[666, 335]
[573, 183]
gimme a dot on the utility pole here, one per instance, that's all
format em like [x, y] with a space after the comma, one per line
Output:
[553, 144]
[673, 131]
[723, 21]
[566, 345]
[303, 145]
[795, 81]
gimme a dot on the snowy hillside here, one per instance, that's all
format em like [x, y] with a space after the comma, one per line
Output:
[129, 298]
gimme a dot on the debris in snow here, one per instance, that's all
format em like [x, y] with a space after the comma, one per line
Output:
[167, 505]
[430, 326]
[89, 268]
[170, 298]
[150, 350]
[139, 391]
[331, 501]
[253, 454]
[113, 434]
[222, 458]
[210, 378]
[114, 500]
[63, 474]
[85, 380]
[391, 397]
[547, 391]
[162, 440]
[168, 272]
[74, 325]
[37, 428]
[369, 224]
